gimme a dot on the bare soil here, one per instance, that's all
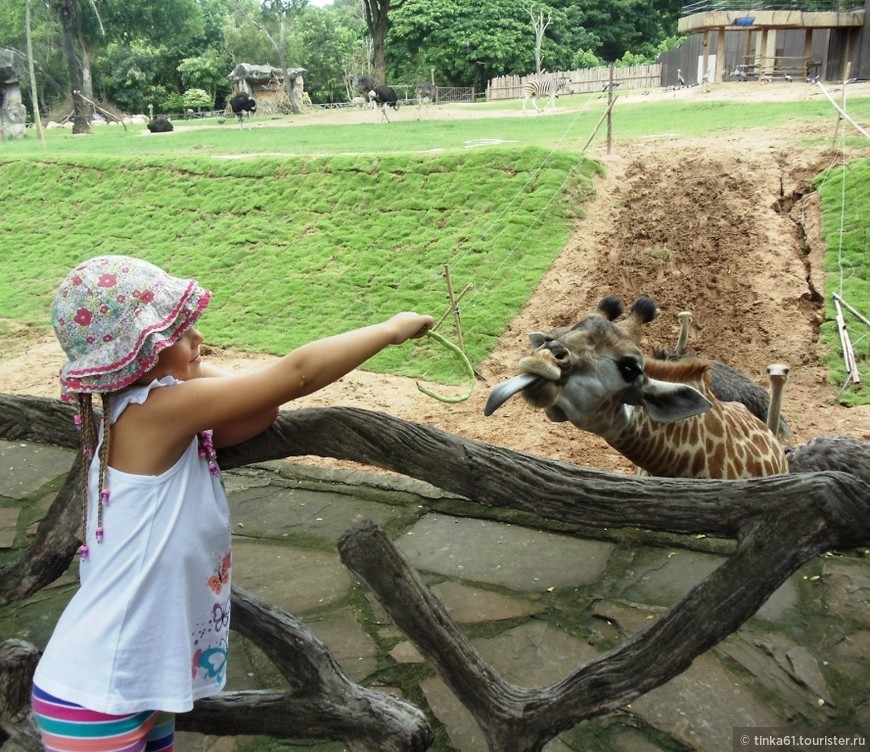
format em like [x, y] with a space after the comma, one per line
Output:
[726, 226]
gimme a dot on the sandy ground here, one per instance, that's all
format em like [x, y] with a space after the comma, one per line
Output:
[725, 226]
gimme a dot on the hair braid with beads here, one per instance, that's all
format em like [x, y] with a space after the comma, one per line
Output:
[89, 439]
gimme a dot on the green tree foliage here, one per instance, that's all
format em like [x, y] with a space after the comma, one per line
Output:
[622, 26]
[136, 75]
[470, 41]
[49, 62]
[177, 25]
[144, 52]
[333, 40]
[585, 59]
[244, 41]
[466, 41]
[209, 72]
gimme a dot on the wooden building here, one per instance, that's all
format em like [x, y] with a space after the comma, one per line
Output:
[730, 40]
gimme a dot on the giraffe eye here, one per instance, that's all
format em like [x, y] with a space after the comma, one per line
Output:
[629, 369]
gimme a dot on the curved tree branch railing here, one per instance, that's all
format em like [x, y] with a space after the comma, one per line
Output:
[779, 523]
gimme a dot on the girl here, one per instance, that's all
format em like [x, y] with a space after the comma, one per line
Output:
[146, 634]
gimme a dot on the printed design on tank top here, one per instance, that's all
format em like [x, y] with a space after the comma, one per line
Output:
[210, 639]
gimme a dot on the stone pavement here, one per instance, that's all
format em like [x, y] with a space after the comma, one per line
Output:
[535, 602]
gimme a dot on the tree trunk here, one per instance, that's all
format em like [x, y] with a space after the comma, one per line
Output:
[87, 80]
[65, 12]
[379, 61]
[377, 22]
[289, 86]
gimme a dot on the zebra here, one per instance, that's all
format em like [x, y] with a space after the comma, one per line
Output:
[548, 87]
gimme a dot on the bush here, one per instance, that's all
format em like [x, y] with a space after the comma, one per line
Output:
[197, 99]
[173, 103]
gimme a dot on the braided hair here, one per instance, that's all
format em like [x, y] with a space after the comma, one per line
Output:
[89, 423]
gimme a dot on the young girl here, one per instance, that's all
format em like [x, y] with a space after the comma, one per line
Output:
[146, 634]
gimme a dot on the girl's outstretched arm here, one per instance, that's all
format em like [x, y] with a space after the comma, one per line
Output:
[222, 403]
[241, 430]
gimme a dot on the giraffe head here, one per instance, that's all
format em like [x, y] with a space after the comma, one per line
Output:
[661, 415]
[592, 374]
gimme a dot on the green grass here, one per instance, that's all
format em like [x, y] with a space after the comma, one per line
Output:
[845, 195]
[569, 129]
[298, 248]
[311, 229]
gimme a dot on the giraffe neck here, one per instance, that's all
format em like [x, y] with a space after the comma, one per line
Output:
[703, 446]
[662, 449]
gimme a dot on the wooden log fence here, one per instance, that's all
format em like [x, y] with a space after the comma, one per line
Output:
[778, 524]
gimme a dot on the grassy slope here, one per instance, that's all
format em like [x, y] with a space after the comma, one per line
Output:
[298, 245]
[301, 247]
[845, 194]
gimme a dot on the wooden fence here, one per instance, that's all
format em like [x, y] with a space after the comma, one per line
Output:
[580, 81]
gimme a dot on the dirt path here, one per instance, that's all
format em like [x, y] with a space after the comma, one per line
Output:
[725, 226]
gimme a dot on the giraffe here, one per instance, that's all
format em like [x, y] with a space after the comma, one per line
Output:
[661, 415]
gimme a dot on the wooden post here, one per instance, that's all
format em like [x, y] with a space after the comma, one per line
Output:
[846, 344]
[34, 97]
[842, 107]
[808, 51]
[857, 314]
[609, 110]
[720, 56]
[598, 125]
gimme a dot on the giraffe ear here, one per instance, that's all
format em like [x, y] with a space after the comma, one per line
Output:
[667, 402]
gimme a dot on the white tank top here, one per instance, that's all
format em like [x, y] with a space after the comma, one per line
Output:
[149, 627]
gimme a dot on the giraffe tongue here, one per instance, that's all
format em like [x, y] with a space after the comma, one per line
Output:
[501, 393]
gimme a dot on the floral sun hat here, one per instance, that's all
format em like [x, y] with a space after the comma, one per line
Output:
[114, 314]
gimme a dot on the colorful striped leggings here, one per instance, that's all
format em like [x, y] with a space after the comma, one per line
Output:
[66, 727]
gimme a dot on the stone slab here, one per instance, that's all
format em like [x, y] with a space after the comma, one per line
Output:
[534, 654]
[292, 578]
[271, 512]
[665, 577]
[471, 605]
[8, 525]
[700, 707]
[348, 642]
[26, 466]
[503, 554]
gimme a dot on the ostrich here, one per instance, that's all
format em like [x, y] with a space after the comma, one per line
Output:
[777, 373]
[843, 453]
[160, 124]
[608, 88]
[363, 85]
[384, 96]
[727, 383]
[243, 105]
[425, 95]
[821, 453]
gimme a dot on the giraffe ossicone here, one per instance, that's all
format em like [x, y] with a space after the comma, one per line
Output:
[661, 415]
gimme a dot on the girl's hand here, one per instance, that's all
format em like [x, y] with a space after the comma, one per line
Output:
[409, 325]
